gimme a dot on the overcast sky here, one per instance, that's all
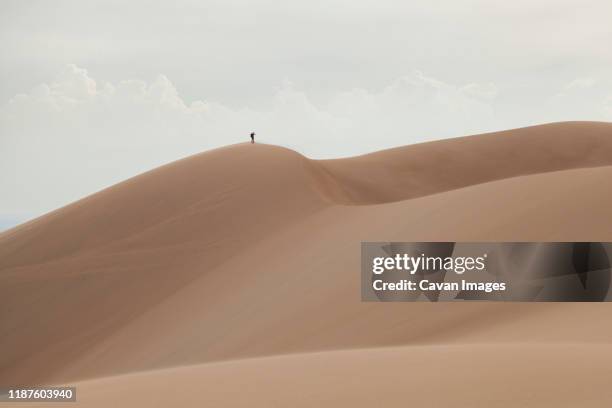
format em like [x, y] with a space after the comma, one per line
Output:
[95, 92]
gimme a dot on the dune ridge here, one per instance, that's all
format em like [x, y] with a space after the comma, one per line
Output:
[253, 251]
[433, 167]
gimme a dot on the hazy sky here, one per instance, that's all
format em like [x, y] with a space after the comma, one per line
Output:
[95, 92]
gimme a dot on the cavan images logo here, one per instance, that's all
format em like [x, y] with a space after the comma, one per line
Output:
[509, 271]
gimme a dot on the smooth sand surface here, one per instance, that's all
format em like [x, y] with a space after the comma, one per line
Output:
[475, 375]
[232, 278]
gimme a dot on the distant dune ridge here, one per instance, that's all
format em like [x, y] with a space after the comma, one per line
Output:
[232, 277]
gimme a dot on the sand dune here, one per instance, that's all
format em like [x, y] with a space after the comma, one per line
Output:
[253, 251]
[481, 375]
[427, 168]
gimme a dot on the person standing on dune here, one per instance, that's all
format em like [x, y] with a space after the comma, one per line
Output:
[252, 137]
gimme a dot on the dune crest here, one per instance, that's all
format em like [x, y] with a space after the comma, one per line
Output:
[428, 168]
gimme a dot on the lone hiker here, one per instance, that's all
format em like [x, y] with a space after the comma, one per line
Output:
[252, 137]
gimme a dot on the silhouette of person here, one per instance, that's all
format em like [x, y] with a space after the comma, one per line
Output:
[252, 137]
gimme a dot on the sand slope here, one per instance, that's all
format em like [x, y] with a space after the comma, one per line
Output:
[482, 375]
[253, 250]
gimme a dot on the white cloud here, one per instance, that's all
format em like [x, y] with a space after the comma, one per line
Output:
[583, 98]
[580, 83]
